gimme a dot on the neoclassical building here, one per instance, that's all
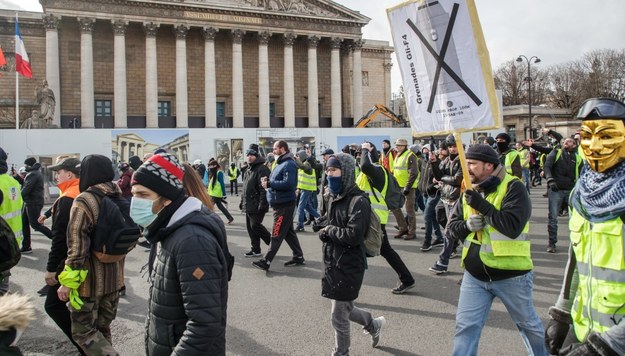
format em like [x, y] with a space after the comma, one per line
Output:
[200, 63]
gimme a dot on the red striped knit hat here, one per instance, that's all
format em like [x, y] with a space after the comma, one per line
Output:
[161, 173]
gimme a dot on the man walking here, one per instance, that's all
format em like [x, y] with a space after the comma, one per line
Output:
[32, 193]
[254, 201]
[430, 191]
[493, 222]
[406, 170]
[307, 187]
[233, 174]
[280, 188]
[562, 167]
[11, 205]
[507, 156]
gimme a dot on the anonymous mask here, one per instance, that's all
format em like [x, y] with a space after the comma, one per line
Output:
[603, 143]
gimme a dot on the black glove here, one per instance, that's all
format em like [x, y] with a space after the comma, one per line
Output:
[593, 346]
[477, 202]
[557, 329]
[323, 235]
[241, 205]
[553, 186]
[406, 191]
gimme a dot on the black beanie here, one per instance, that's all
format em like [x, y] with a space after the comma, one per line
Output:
[135, 162]
[333, 162]
[30, 161]
[505, 136]
[161, 173]
[482, 152]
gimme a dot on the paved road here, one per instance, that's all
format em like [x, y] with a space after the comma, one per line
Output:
[282, 312]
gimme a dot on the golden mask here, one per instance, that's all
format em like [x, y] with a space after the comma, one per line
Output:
[603, 143]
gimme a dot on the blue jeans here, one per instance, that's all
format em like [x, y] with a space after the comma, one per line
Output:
[476, 298]
[429, 218]
[419, 201]
[305, 204]
[555, 202]
[526, 178]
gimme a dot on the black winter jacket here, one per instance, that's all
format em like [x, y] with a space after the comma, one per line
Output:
[189, 286]
[449, 173]
[32, 190]
[58, 249]
[564, 171]
[343, 253]
[253, 195]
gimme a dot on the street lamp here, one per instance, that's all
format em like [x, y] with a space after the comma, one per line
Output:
[529, 87]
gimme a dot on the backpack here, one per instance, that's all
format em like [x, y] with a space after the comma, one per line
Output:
[373, 238]
[394, 198]
[9, 250]
[115, 233]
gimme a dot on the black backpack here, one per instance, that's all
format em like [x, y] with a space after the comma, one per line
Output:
[9, 250]
[394, 197]
[115, 233]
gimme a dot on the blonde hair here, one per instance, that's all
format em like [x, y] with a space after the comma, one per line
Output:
[15, 311]
[192, 184]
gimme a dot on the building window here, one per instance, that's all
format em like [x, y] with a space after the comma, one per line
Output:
[272, 109]
[103, 108]
[221, 109]
[511, 129]
[365, 79]
[164, 108]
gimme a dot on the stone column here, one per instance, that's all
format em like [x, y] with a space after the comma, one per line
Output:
[210, 83]
[335, 81]
[53, 74]
[119, 74]
[238, 110]
[289, 84]
[87, 109]
[263, 79]
[182, 97]
[357, 79]
[151, 76]
[387, 83]
[313, 82]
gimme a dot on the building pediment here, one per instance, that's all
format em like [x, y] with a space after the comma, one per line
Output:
[130, 137]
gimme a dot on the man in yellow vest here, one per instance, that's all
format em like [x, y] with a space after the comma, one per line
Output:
[492, 220]
[507, 156]
[592, 299]
[524, 156]
[406, 170]
[233, 174]
[10, 210]
[307, 187]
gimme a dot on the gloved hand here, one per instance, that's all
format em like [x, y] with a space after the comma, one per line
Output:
[593, 346]
[323, 235]
[553, 186]
[241, 205]
[476, 201]
[406, 191]
[557, 329]
[475, 222]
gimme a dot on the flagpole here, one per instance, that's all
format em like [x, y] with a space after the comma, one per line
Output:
[17, 92]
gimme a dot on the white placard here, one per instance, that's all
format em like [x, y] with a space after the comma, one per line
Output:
[445, 66]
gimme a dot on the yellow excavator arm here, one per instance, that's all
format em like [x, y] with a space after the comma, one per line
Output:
[373, 112]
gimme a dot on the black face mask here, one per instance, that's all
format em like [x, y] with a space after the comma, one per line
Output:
[503, 146]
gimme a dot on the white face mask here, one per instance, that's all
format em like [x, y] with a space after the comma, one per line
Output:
[141, 211]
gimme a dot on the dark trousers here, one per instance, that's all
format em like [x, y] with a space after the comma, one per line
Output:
[256, 230]
[555, 202]
[283, 230]
[450, 244]
[429, 217]
[31, 214]
[234, 187]
[220, 204]
[393, 259]
[57, 310]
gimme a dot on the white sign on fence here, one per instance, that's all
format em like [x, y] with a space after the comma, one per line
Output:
[445, 66]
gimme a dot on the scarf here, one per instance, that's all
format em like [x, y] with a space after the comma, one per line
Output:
[599, 197]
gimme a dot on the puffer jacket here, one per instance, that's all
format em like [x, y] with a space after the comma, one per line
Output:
[343, 251]
[189, 285]
[449, 173]
[283, 181]
[253, 197]
[32, 190]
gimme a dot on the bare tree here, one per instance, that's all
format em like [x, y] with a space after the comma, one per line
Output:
[512, 79]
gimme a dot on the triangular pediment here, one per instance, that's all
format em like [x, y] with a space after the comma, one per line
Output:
[130, 137]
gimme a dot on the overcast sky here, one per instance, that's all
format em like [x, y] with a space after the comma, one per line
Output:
[554, 30]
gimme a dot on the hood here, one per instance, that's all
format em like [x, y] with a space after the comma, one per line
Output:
[301, 154]
[348, 173]
[34, 167]
[285, 157]
[258, 160]
[95, 169]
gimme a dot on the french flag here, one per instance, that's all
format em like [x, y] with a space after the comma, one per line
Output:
[22, 63]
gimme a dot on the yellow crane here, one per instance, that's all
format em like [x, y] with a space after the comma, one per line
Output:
[374, 111]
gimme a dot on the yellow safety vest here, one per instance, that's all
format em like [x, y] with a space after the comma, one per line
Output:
[400, 169]
[214, 186]
[510, 157]
[377, 204]
[306, 181]
[11, 207]
[524, 154]
[498, 250]
[600, 251]
[578, 162]
[232, 173]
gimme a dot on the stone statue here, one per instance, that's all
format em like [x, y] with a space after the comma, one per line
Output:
[33, 122]
[47, 103]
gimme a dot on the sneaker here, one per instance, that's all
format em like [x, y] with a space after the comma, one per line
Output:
[300, 229]
[44, 290]
[438, 269]
[295, 261]
[376, 325]
[230, 221]
[438, 243]
[551, 249]
[426, 246]
[454, 254]
[400, 234]
[144, 243]
[252, 254]
[26, 251]
[261, 264]
[309, 221]
[402, 288]
[122, 291]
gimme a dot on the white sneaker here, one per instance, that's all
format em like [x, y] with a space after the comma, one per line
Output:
[378, 323]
